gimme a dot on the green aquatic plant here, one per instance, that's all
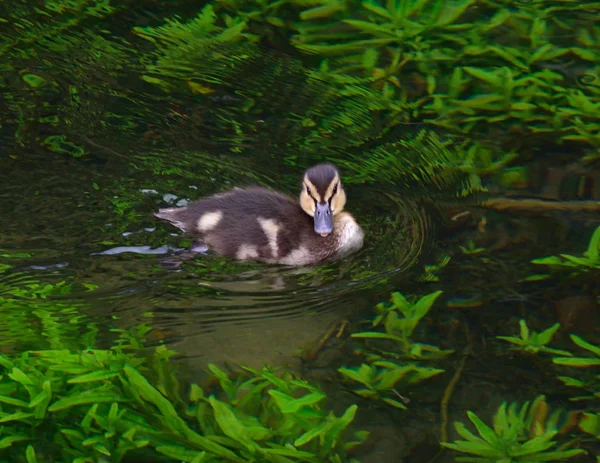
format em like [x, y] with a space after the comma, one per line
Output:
[180, 44]
[395, 366]
[399, 320]
[589, 261]
[516, 436]
[93, 404]
[588, 381]
[533, 343]
[467, 66]
[380, 379]
[589, 423]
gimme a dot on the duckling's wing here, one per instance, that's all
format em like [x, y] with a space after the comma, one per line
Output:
[236, 207]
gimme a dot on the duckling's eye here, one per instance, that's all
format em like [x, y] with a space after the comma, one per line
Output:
[308, 191]
[335, 188]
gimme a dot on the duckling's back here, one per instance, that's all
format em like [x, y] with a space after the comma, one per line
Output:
[248, 224]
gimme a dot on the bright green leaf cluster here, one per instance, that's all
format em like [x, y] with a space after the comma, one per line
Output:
[589, 381]
[93, 404]
[381, 376]
[399, 320]
[509, 440]
[589, 261]
[532, 342]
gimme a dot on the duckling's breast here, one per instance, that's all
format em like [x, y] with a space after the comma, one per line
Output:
[349, 235]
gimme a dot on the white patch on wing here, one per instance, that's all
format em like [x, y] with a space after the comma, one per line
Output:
[247, 251]
[300, 256]
[271, 229]
[209, 221]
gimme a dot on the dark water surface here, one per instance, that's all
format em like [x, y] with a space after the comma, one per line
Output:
[88, 219]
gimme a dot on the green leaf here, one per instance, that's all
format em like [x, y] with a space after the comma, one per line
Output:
[7, 441]
[589, 423]
[42, 400]
[501, 425]
[586, 345]
[491, 77]
[395, 403]
[320, 12]
[85, 398]
[423, 305]
[93, 376]
[546, 336]
[499, 18]
[196, 393]
[524, 330]
[74, 435]
[576, 362]
[593, 250]
[536, 445]
[355, 375]
[484, 430]
[30, 454]
[310, 435]
[577, 260]
[377, 335]
[224, 381]
[371, 28]
[181, 453]
[522, 106]
[170, 416]
[18, 416]
[378, 10]
[20, 377]
[289, 452]
[288, 404]
[479, 101]
[229, 423]
[537, 277]
[463, 432]
[451, 11]
[101, 449]
[12, 401]
[399, 301]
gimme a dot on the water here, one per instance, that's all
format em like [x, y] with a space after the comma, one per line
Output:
[91, 150]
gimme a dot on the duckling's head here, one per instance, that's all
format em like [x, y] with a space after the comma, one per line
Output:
[322, 196]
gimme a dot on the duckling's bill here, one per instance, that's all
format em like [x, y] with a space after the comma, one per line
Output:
[323, 219]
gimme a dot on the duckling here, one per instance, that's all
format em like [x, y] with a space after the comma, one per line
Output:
[258, 224]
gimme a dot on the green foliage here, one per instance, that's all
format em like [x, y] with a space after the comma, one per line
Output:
[532, 342]
[589, 261]
[179, 45]
[510, 439]
[85, 405]
[589, 382]
[590, 424]
[399, 320]
[381, 376]
[469, 66]
[55, 402]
